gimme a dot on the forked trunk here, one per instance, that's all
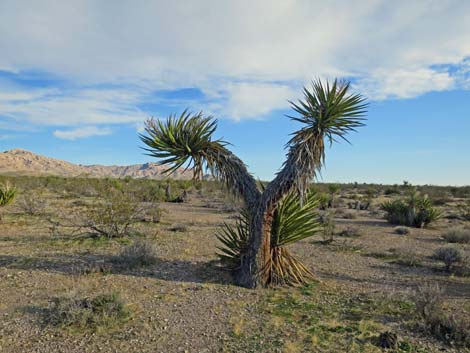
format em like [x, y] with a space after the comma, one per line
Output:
[255, 265]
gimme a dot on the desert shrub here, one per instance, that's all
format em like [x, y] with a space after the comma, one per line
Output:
[449, 256]
[428, 300]
[457, 235]
[465, 210]
[391, 191]
[102, 311]
[179, 227]
[138, 254]
[112, 217]
[350, 232]
[402, 230]
[31, 205]
[328, 227]
[349, 215]
[324, 201]
[407, 258]
[414, 211]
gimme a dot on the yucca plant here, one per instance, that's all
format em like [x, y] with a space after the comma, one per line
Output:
[327, 113]
[292, 221]
[7, 195]
[414, 211]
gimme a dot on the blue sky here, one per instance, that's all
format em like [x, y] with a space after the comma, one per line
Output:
[77, 80]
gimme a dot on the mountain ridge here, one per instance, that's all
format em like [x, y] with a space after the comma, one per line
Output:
[20, 161]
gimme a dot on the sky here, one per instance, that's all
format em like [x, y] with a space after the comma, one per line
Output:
[78, 79]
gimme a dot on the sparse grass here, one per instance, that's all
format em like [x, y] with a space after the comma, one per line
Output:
[179, 227]
[408, 258]
[350, 232]
[87, 314]
[457, 235]
[322, 319]
[138, 254]
[449, 255]
[402, 230]
[429, 304]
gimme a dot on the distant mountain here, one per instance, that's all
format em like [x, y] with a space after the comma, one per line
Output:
[18, 161]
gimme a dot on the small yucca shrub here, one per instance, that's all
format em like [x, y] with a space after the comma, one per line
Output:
[7, 195]
[414, 211]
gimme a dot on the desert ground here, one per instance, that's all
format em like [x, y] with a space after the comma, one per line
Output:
[366, 275]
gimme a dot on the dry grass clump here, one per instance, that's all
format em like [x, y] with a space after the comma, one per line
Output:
[449, 255]
[179, 227]
[102, 311]
[350, 232]
[138, 254]
[429, 304]
[402, 230]
[457, 235]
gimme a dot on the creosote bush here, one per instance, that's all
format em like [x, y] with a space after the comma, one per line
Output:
[112, 217]
[31, 205]
[429, 304]
[457, 235]
[138, 254]
[413, 211]
[89, 314]
[465, 210]
[449, 255]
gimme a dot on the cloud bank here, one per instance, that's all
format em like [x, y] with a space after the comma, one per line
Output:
[98, 62]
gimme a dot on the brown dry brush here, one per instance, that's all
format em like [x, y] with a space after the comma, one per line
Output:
[327, 113]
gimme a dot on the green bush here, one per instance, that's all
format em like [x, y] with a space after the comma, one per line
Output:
[414, 211]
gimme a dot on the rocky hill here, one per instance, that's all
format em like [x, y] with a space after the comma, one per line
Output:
[19, 161]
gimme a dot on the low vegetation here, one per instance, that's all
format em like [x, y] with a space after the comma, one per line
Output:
[105, 311]
[413, 211]
[457, 235]
[449, 255]
[7, 195]
[429, 304]
[138, 254]
[177, 292]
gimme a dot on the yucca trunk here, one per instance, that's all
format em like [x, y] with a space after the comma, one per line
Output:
[254, 268]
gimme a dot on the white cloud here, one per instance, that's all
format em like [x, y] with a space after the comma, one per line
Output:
[82, 132]
[383, 84]
[252, 53]
[251, 100]
[73, 106]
